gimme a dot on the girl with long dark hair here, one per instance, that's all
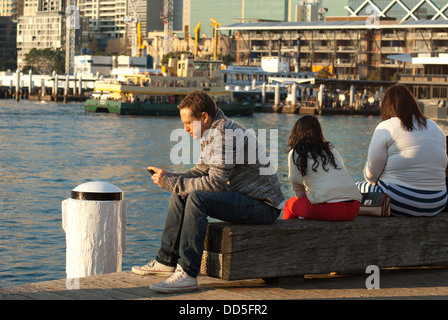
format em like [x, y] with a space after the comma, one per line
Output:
[323, 188]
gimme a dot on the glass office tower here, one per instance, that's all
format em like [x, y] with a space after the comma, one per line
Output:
[402, 9]
[234, 11]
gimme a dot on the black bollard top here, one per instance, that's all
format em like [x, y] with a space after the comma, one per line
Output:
[97, 191]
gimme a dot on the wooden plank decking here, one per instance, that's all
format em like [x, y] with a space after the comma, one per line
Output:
[405, 283]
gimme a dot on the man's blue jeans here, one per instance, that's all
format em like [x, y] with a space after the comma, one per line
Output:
[186, 223]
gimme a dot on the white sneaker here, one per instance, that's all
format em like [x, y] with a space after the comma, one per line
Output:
[180, 281]
[153, 267]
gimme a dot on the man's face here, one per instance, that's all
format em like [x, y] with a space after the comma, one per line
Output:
[194, 126]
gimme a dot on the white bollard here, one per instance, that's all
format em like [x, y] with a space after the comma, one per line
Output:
[294, 95]
[263, 94]
[94, 221]
[277, 95]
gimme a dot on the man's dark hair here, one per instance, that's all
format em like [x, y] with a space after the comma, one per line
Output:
[198, 102]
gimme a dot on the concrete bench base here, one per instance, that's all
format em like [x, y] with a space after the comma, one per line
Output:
[291, 248]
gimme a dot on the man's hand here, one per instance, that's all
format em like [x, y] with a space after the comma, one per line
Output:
[158, 175]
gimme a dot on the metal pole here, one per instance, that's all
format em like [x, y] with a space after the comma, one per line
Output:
[18, 85]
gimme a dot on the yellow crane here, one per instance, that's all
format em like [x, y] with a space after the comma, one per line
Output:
[196, 38]
[140, 45]
[215, 24]
[136, 34]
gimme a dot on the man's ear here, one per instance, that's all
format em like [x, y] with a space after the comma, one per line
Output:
[205, 117]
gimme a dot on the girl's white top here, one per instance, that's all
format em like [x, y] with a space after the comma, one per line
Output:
[322, 186]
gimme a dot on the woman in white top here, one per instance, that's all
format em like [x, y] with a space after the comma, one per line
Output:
[407, 157]
[323, 188]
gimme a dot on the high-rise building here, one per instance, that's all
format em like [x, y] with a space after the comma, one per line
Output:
[105, 18]
[186, 14]
[233, 11]
[30, 7]
[41, 26]
[11, 8]
[401, 10]
[8, 48]
[115, 19]
[52, 5]
[155, 11]
[335, 8]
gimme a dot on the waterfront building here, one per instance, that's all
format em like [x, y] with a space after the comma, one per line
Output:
[90, 66]
[427, 76]
[349, 47]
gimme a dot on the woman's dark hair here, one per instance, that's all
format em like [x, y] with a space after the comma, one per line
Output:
[308, 142]
[198, 102]
[398, 101]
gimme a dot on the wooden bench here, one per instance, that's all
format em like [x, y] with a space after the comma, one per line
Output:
[291, 248]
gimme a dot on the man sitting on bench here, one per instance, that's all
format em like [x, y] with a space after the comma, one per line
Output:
[220, 186]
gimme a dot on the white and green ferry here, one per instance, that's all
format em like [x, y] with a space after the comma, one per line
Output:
[160, 94]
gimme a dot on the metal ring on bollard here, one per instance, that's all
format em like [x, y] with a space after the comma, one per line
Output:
[97, 191]
[96, 196]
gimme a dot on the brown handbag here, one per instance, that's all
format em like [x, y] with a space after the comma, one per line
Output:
[376, 204]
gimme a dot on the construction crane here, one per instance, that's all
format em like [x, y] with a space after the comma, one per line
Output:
[136, 32]
[196, 39]
[215, 24]
[167, 19]
[139, 40]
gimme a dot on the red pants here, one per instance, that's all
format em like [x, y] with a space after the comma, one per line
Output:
[335, 211]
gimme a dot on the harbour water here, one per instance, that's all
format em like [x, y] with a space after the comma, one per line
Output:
[47, 149]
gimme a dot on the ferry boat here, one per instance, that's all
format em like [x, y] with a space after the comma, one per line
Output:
[160, 94]
[248, 81]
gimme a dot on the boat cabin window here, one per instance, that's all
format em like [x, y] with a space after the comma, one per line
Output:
[216, 66]
[200, 66]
